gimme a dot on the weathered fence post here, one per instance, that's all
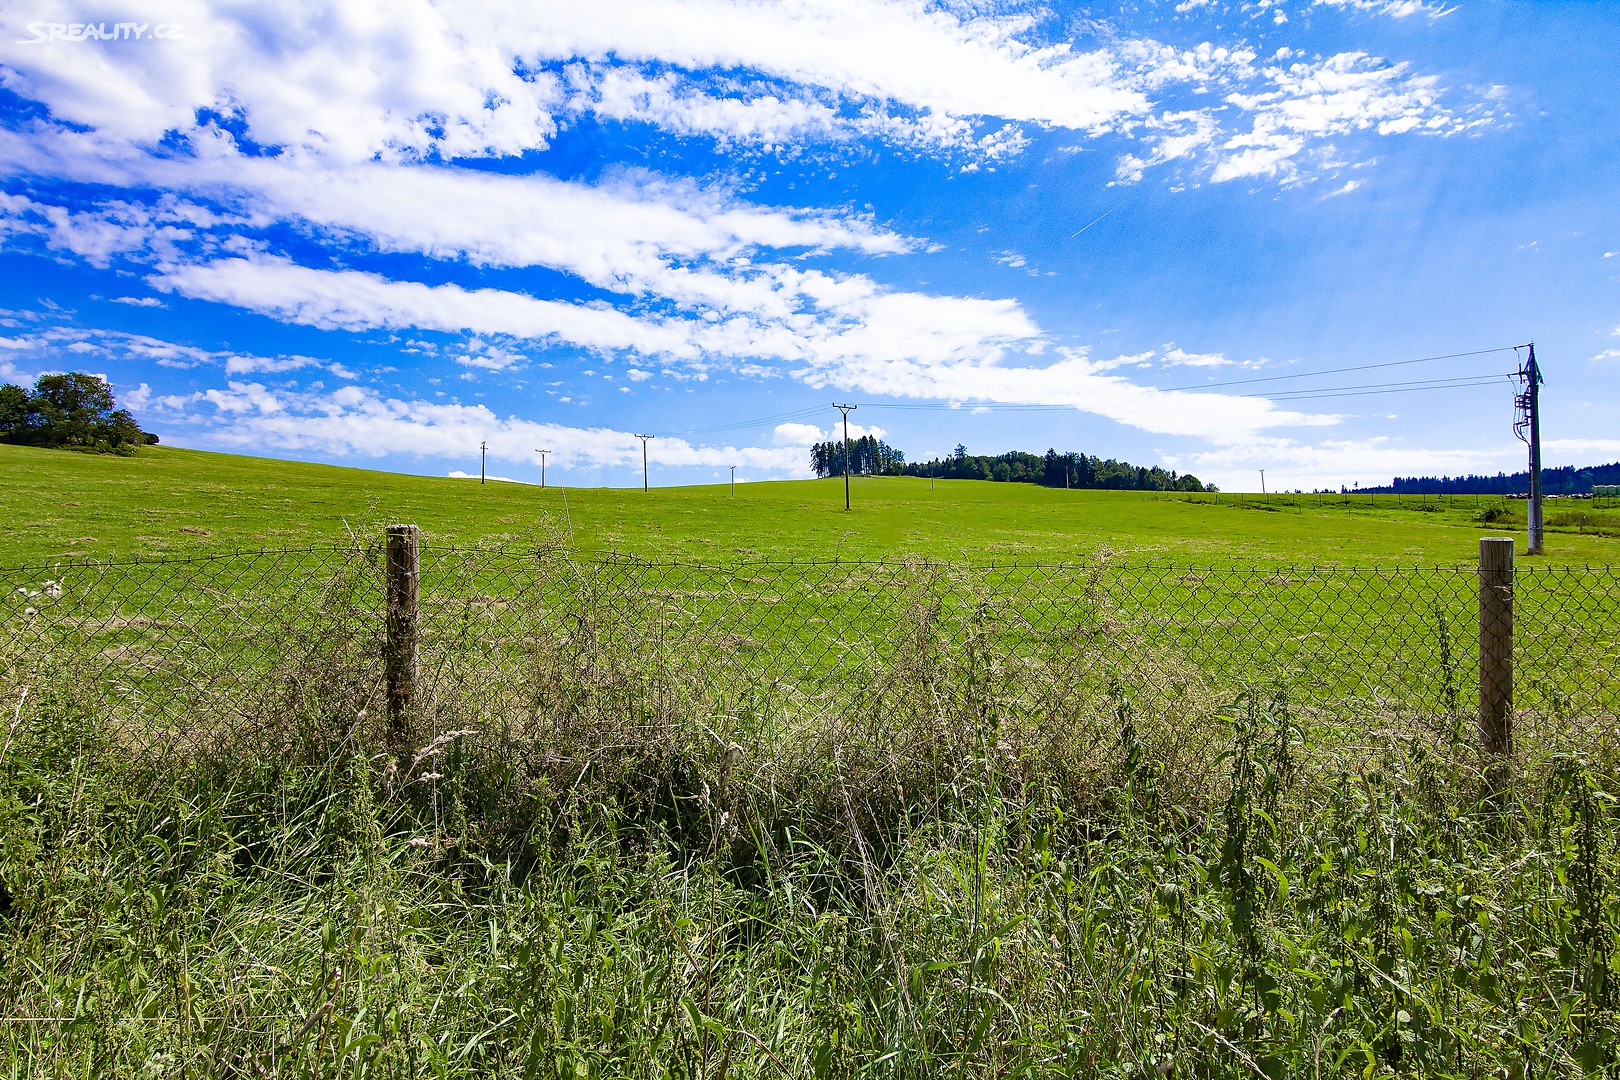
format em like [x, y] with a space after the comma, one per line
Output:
[1496, 645]
[399, 660]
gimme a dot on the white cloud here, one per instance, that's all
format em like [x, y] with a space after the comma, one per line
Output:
[490, 356]
[1181, 358]
[359, 422]
[422, 81]
[349, 81]
[457, 474]
[1583, 449]
[926, 58]
[138, 301]
[902, 344]
[355, 300]
[1345, 93]
[1293, 464]
[118, 346]
[1608, 354]
[796, 434]
[1399, 9]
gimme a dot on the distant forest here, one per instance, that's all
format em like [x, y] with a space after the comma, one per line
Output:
[870, 456]
[1564, 480]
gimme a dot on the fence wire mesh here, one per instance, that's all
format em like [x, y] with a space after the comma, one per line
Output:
[178, 655]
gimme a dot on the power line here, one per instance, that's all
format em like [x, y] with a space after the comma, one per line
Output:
[1460, 382]
[1429, 384]
[1341, 371]
[740, 425]
[1371, 393]
[970, 406]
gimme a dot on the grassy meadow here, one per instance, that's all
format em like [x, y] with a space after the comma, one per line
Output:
[1018, 834]
[168, 501]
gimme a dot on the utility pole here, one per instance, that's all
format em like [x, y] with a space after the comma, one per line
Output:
[644, 439]
[542, 454]
[1527, 426]
[1262, 481]
[483, 452]
[846, 410]
[734, 481]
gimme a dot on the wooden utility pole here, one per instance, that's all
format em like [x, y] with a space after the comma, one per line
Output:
[846, 410]
[1496, 645]
[402, 590]
[644, 438]
[542, 454]
[483, 451]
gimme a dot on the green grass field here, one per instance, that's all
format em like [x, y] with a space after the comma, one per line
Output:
[652, 819]
[59, 505]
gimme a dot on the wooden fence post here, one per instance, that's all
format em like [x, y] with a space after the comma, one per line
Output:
[1496, 645]
[399, 660]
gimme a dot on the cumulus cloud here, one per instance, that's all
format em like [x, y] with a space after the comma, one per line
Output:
[1181, 358]
[900, 344]
[120, 347]
[796, 434]
[1292, 463]
[351, 127]
[420, 81]
[356, 421]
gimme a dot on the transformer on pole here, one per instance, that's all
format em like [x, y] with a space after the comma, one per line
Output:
[1527, 426]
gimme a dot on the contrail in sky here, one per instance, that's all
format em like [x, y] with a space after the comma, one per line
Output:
[1104, 214]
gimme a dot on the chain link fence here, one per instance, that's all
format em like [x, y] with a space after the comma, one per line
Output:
[177, 656]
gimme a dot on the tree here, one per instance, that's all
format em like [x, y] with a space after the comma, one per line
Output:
[73, 411]
[15, 412]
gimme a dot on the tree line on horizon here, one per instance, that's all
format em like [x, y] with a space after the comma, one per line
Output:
[71, 411]
[870, 456]
[1561, 480]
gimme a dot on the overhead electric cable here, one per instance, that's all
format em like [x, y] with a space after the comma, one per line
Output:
[1436, 384]
[1368, 393]
[1340, 371]
[1302, 394]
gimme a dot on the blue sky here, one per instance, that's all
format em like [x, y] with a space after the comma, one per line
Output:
[380, 234]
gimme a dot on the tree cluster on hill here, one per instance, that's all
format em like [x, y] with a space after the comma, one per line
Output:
[871, 457]
[868, 456]
[74, 411]
[1563, 480]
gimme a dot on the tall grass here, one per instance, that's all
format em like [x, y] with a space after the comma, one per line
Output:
[641, 870]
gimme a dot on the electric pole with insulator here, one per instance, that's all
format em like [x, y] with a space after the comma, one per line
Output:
[542, 454]
[734, 481]
[483, 452]
[644, 438]
[1527, 426]
[846, 410]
